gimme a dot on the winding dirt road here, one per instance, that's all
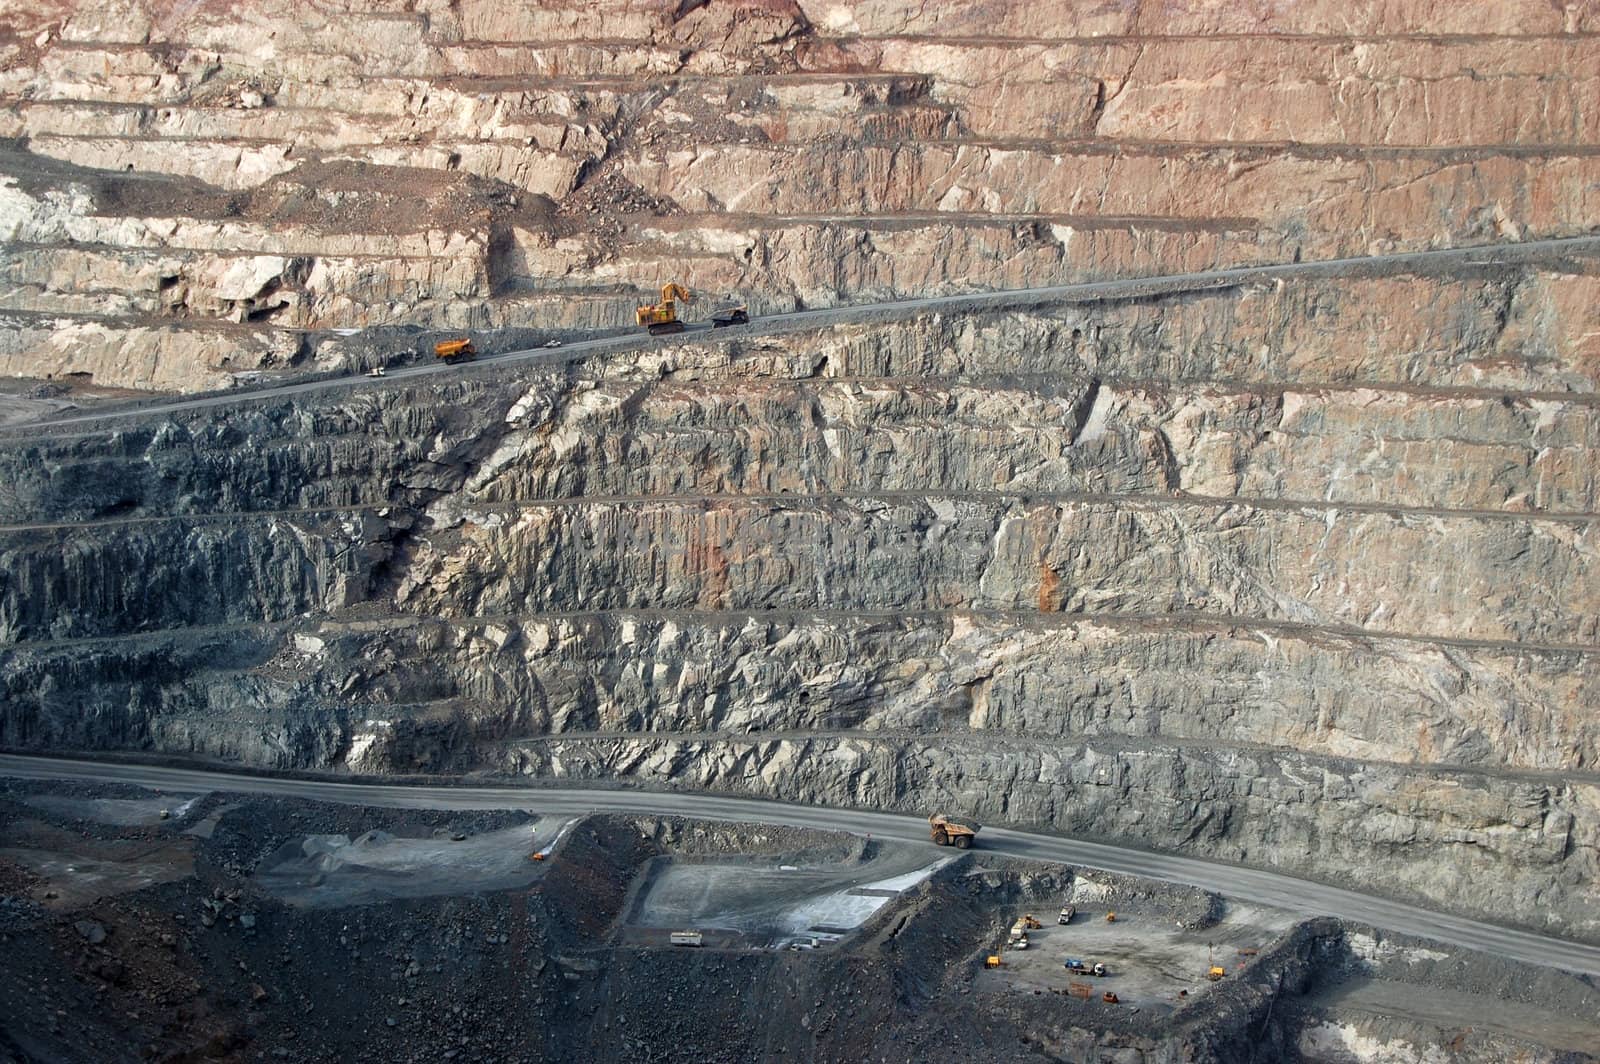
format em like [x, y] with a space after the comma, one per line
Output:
[1491, 255]
[1245, 884]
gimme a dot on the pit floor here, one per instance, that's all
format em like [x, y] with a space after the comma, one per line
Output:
[328, 871]
[771, 904]
[1150, 960]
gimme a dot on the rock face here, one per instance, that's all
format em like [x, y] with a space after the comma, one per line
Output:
[188, 206]
[1300, 573]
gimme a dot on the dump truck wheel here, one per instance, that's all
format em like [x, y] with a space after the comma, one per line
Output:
[941, 839]
[963, 841]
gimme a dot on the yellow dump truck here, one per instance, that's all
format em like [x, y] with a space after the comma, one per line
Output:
[454, 350]
[947, 832]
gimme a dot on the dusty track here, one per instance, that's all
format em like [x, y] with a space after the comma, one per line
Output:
[1494, 255]
[1131, 499]
[1022, 618]
[1266, 888]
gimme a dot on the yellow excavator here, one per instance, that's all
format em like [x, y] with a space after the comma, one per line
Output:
[662, 317]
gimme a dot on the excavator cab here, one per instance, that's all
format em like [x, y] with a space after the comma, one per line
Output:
[662, 317]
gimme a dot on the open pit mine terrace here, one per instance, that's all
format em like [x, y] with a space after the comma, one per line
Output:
[1283, 576]
[228, 924]
[1289, 568]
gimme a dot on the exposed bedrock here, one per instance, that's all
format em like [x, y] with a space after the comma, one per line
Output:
[1373, 571]
[1460, 392]
[1387, 699]
[1052, 727]
[1523, 845]
[184, 209]
[1299, 575]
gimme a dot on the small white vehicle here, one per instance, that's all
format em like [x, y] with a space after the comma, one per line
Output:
[552, 343]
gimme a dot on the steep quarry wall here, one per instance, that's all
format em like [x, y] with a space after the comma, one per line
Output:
[197, 193]
[1298, 573]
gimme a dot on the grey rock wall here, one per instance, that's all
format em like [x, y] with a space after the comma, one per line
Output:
[1300, 576]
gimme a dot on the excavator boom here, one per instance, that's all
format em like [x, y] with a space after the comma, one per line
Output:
[662, 317]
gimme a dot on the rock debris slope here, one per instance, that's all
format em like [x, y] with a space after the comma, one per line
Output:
[1299, 574]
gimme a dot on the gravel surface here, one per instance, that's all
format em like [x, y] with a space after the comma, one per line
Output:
[410, 948]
